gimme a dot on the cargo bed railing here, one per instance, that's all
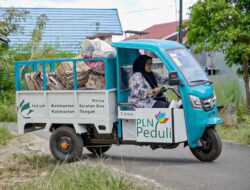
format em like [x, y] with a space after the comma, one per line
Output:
[109, 70]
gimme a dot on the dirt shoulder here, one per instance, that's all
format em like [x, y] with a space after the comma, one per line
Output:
[27, 143]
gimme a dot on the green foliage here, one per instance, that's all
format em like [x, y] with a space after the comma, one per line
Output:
[7, 106]
[10, 24]
[33, 161]
[6, 71]
[241, 134]
[46, 51]
[241, 111]
[5, 135]
[83, 177]
[22, 52]
[220, 25]
[11, 20]
[61, 176]
[52, 52]
[228, 91]
[223, 25]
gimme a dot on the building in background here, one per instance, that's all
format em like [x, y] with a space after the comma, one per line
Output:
[67, 27]
[164, 31]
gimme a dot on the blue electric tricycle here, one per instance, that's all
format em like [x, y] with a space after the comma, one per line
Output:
[97, 119]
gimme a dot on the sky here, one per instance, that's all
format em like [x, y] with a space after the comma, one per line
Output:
[134, 14]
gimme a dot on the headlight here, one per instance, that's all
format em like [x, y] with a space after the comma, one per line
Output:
[196, 102]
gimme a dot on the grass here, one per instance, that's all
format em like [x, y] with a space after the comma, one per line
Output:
[82, 177]
[60, 176]
[228, 91]
[5, 135]
[240, 134]
[7, 106]
[33, 160]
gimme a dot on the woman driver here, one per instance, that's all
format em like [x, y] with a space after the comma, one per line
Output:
[144, 83]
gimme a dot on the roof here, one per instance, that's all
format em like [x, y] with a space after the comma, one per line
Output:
[148, 44]
[69, 26]
[158, 31]
[135, 32]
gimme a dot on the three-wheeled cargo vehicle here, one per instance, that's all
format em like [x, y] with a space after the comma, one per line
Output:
[97, 119]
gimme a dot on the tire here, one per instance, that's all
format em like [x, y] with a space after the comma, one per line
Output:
[65, 144]
[101, 149]
[212, 146]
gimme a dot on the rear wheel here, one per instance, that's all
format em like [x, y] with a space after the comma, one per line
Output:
[100, 149]
[211, 146]
[65, 144]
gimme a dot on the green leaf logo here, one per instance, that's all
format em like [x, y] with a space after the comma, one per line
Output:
[25, 110]
[25, 106]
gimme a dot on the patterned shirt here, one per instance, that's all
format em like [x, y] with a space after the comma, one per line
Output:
[139, 87]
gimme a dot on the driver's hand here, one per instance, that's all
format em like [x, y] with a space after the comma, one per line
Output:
[150, 92]
[157, 90]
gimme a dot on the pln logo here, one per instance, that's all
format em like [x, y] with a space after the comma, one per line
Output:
[153, 127]
[24, 109]
[161, 118]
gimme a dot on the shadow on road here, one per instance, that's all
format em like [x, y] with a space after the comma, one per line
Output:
[106, 157]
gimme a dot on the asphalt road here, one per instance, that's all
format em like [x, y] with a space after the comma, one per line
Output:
[178, 168]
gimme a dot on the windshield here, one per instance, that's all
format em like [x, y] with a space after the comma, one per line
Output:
[188, 66]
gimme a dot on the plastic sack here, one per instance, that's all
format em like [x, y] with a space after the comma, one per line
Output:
[97, 48]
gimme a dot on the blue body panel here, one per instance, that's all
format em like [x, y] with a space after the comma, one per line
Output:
[196, 119]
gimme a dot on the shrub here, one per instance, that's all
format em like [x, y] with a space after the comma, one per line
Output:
[5, 135]
[7, 106]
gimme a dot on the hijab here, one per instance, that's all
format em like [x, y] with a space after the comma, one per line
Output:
[139, 66]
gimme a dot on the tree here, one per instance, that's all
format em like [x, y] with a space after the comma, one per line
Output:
[223, 25]
[10, 23]
[37, 34]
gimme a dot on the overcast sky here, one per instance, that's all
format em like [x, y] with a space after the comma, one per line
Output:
[134, 14]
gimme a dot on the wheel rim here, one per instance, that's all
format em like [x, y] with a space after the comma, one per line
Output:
[207, 144]
[64, 144]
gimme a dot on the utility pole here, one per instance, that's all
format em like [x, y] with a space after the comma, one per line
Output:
[180, 24]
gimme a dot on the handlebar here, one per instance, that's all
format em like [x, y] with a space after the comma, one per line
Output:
[164, 89]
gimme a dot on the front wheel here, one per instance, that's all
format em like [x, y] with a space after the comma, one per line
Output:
[211, 146]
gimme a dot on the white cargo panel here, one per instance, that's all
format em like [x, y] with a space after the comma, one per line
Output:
[70, 107]
[154, 125]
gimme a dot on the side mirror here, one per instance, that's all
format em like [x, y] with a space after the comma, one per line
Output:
[173, 79]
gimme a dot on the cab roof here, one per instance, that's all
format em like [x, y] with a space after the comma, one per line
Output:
[147, 44]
